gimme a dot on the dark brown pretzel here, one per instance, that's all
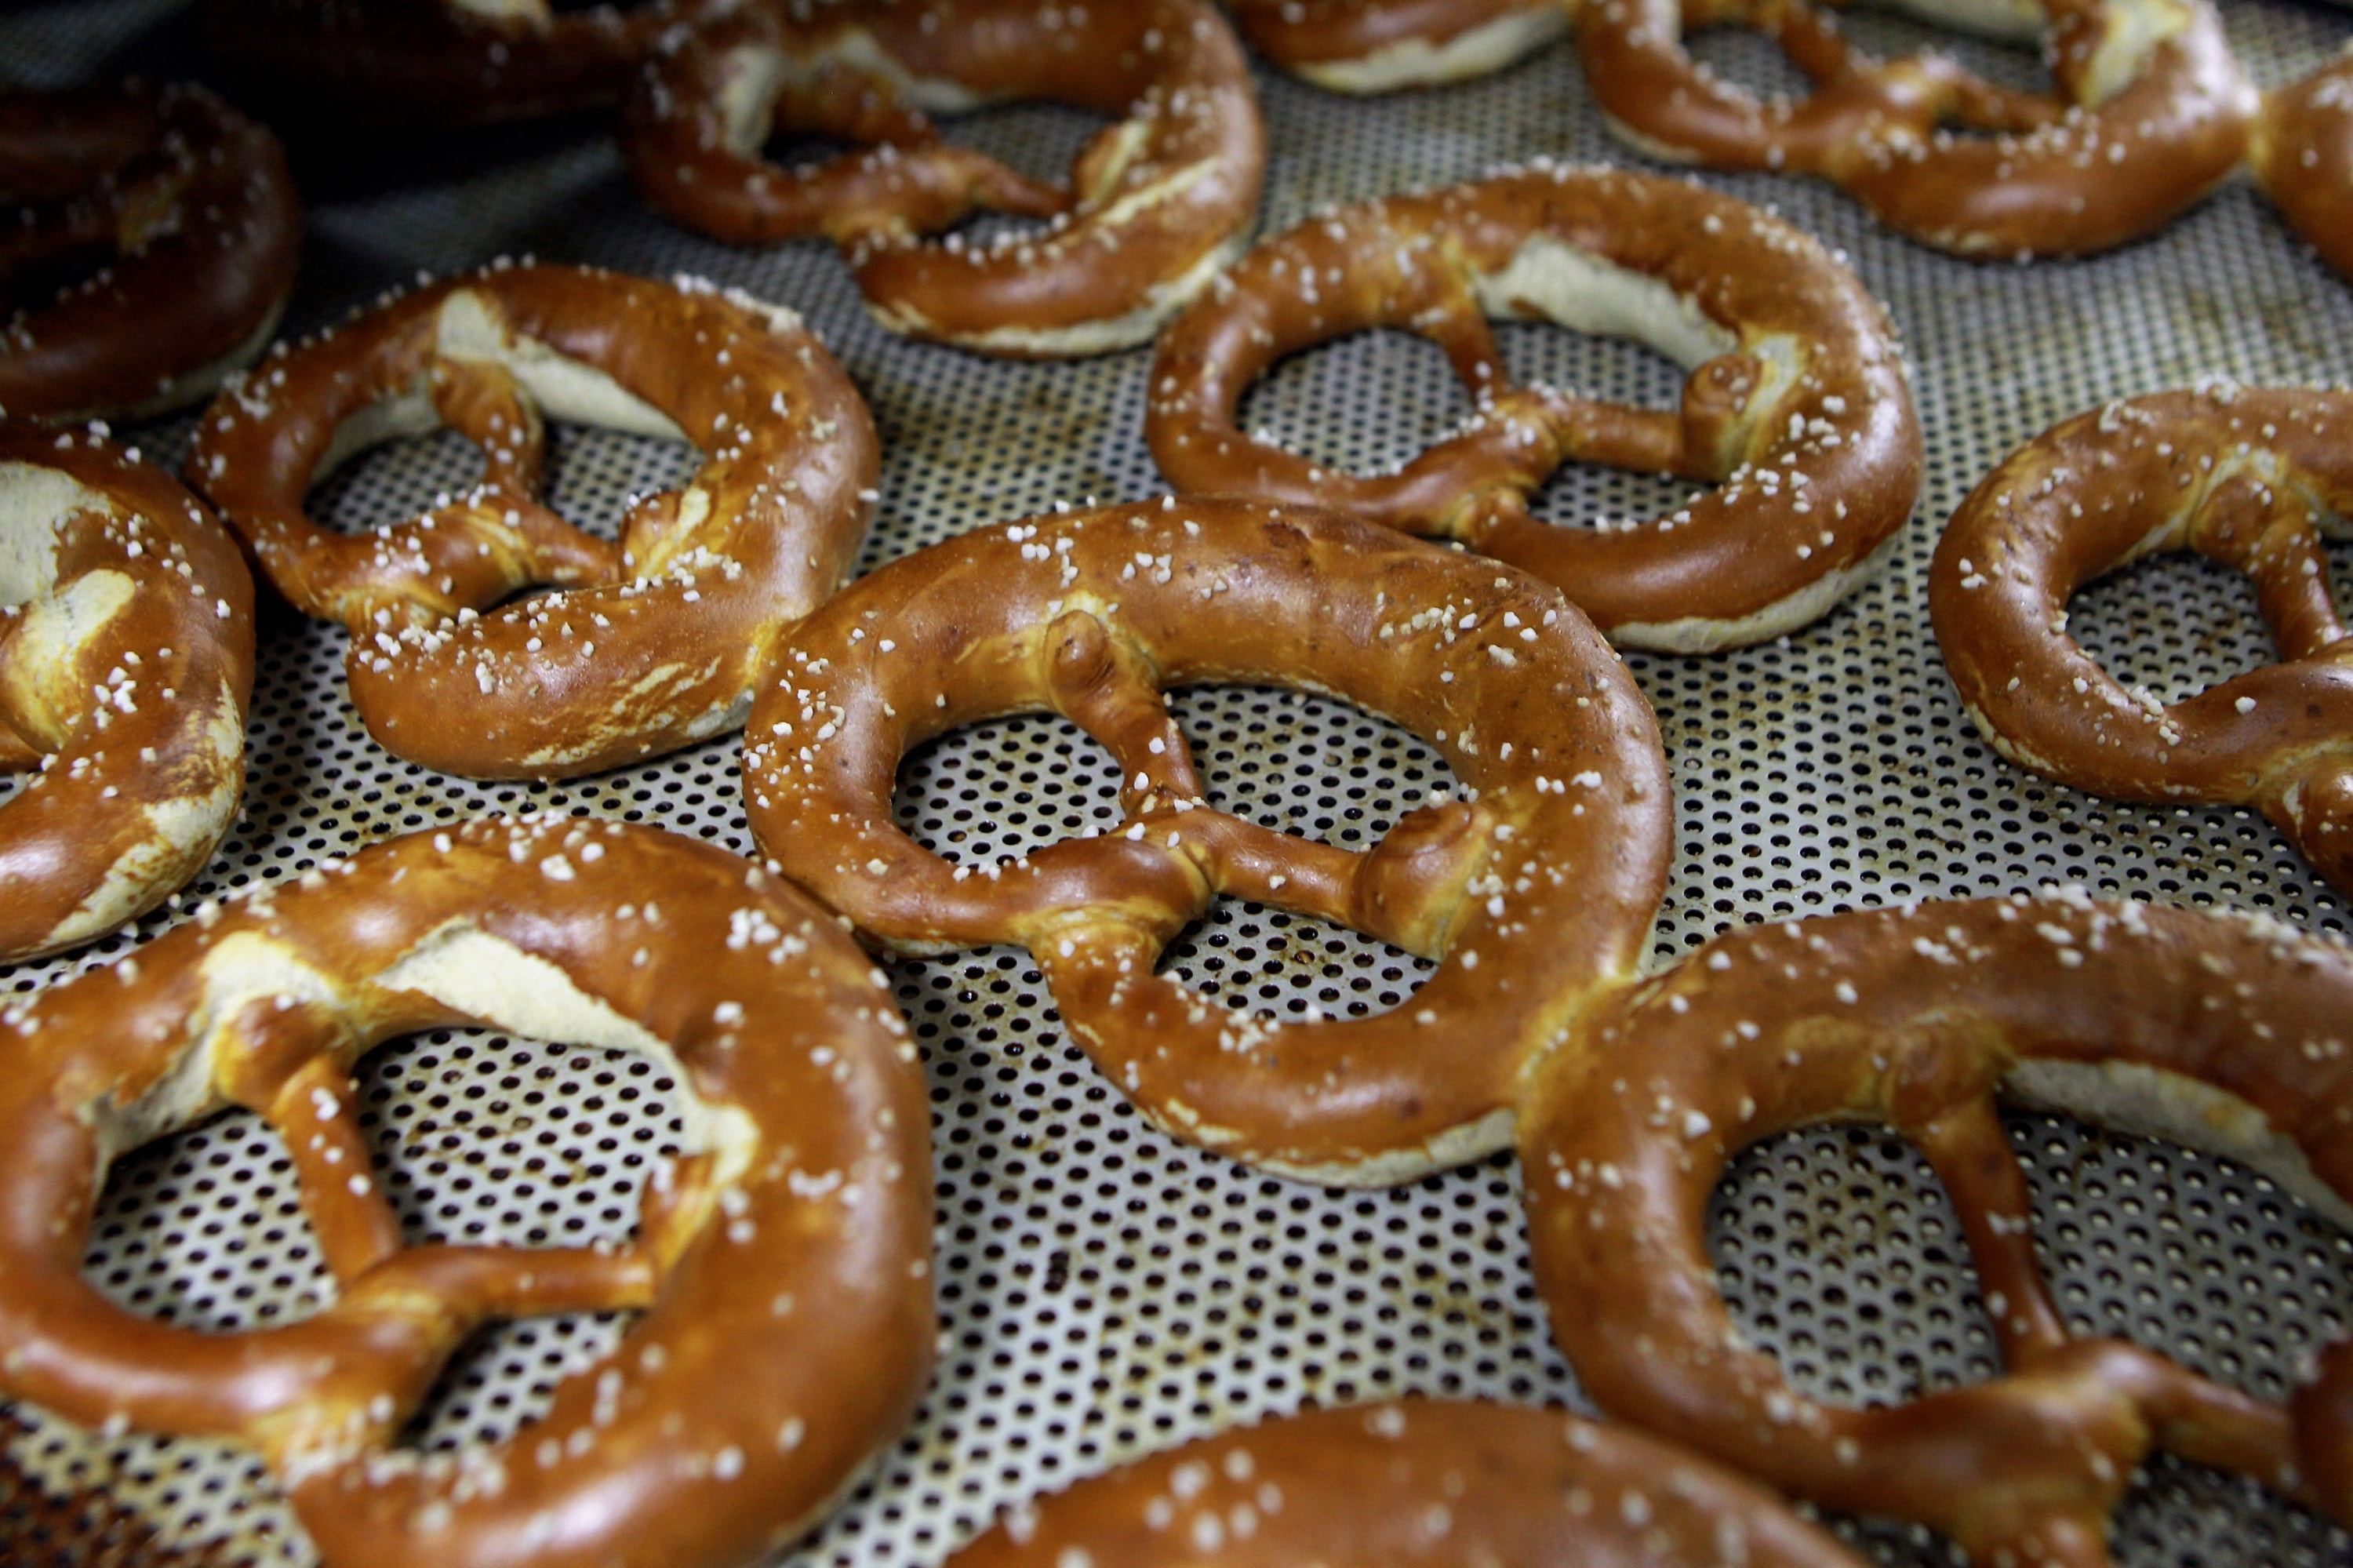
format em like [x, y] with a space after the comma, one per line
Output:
[780, 1266]
[658, 646]
[1795, 403]
[126, 662]
[2243, 477]
[2303, 159]
[1533, 894]
[2222, 1032]
[1379, 46]
[1160, 201]
[2152, 113]
[434, 64]
[1441, 1483]
[186, 211]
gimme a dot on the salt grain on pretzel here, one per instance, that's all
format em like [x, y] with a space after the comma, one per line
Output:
[126, 662]
[1160, 200]
[1441, 1483]
[1796, 404]
[2151, 113]
[2227, 1033]
[2303, 159]
[1380, 45]
[779, 1274]
[657, 646]
[435, 64]
[174, 223]
[1536, 889]
[2248, 478]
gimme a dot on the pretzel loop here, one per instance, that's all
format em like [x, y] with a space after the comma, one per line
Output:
[2302, 158]
[1543, 883]
[1794, 403]
[2244, 477]
[778, 1264]
[1379, 46]
[2227, 1033]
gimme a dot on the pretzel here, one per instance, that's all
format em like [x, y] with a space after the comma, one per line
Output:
[1440, 1482]
[2151, 113]
[1796, 402]
[126, 662]
[438, 64]
[2220, 1032]
[1380, 45]
[1160, 201]
[658, 647]
[780, 1267]
[2243, 477]
[187, 209]
[1532, 892]
[2302, 158]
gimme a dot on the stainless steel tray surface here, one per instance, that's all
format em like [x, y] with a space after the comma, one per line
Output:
[1104, 1291]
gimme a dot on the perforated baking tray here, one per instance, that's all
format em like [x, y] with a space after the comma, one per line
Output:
[1104, 1291]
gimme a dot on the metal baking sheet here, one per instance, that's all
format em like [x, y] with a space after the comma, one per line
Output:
[1104, 1291]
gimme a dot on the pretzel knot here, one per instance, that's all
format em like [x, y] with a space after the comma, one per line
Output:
[2225, 1032]
[1158, 203]
[126, 662]
[2151, 113]
[1534, 891]
[779, 1271]
[658, 646]
[1419, 1481]
[1796, 402]
[2248, 478]
[2302, 158]
[190, 209]
[1379, 46]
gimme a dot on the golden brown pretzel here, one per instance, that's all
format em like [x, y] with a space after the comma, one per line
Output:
[2302, 158]
[1532, 894]
[183, 212]
[2152, 113]
[658, 646]
[1379, 46]
[126, 662]
[434, 64]
[780, 1267]
[1795, 401]
[1161, 200]
[2227, 1032]
[1435, 1482]
[2244, 477]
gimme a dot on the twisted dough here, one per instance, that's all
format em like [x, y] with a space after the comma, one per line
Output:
[780, 1270]
[2248, 478]
[192, 209]
[126, 662]
[1795, 403]
[2223, 1031]
[1532, 894]
[1435, 1482]
[658, 646]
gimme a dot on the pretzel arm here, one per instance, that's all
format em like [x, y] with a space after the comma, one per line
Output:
[2268, 532]
[355, 1222]
[1972, 1157]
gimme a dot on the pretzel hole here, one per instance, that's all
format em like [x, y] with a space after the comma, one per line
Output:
[1053, 781]
[1367, 403]
[2177, 623]
[1608, 368]
[1970, 31]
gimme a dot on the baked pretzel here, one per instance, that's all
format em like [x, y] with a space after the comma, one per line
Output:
[2244, 477]
[780, 1267]
[2151, 113]
[1380, 45]
[1795, 403]
[1532, 892]
[658, 647]
[2222, 1031]
[147, 244]
[1160, 201]
[2302, 158]
[438, 64]
[1438, 1482]
[126, 662]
